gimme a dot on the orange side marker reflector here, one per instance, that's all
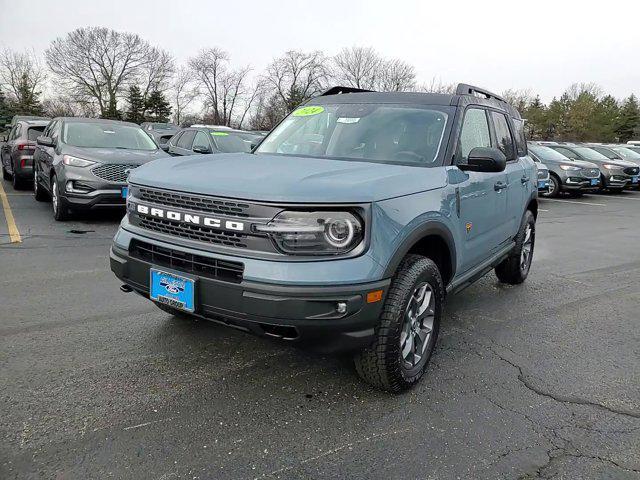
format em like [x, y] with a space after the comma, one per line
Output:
[375, 296]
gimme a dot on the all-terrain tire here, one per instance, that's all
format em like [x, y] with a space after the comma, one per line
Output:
[382, 364]
[511, 270]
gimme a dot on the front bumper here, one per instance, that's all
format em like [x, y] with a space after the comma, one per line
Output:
[582, 184]
[300, 314]
[100, 194]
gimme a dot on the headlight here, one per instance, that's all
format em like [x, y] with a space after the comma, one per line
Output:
[612, 167]
[315, 233]
[570, 167]
[75, 161]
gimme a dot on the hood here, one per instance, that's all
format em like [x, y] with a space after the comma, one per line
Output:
[579, 163]
[619, 163]
[275, 178]
[115, 155]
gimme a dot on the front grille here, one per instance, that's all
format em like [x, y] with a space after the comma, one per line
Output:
[590, 172]
[632, 170]
[193, 232]
[187, 262]
[114, 172]
[199, 203]
[543, 174]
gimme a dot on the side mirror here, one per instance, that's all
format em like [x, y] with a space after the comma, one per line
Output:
[46, 141]
[201, 149]
[482, 159]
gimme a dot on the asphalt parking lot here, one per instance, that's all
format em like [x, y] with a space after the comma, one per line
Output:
[536, 381]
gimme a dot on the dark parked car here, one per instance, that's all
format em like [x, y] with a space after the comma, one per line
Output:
[160, 132]
[616, 152]
[198, 140]
[17, 151]
[84, 163]
[566, 175]
[615, 175]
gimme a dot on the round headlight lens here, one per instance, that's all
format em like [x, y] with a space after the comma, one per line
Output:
[339, 232]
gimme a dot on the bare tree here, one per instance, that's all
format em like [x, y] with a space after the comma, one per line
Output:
[21, 74]
[156, 73]
[436, 86]
[223, 88]
[357, 67]
[184, 92]
[297, 76]
[256, 92]
[99, 63]
[395, 75]
[520, 99]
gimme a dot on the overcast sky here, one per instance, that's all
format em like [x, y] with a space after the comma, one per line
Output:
[540, 45]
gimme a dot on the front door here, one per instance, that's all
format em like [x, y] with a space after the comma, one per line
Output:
[482, 196]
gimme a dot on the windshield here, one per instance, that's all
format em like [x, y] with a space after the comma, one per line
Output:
[106, 135]
[163, 126]
[546, 153]
[231, 142]
[627, 153]
[590, 154]
[385, 133]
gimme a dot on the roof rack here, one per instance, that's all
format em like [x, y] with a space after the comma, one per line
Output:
[464, 89]
[338, 90]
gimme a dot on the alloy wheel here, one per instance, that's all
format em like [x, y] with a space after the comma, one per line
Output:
[527, 249]
[418, 324]
[54, 196]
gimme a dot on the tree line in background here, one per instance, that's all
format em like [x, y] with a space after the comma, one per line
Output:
[98, 72]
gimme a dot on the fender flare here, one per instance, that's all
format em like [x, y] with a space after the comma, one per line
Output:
[428, 228]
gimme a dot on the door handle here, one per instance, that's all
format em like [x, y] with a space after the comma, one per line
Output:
[498, 186]
[524, 179]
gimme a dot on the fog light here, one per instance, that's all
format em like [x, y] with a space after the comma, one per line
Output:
[72, 187]
[341, 307]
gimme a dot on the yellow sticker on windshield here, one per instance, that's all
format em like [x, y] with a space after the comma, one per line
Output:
[219, 134]
[307, 111]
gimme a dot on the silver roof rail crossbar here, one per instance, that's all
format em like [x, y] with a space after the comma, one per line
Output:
[464, 89]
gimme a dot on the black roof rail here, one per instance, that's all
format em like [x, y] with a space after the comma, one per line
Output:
[338, 90]
[464, 89]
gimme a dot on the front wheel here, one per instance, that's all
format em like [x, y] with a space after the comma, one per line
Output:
[554, 187]
[515, 268]
[6, 175]
[408, 327]
[38, 193]
[60, 212]
[16, 182]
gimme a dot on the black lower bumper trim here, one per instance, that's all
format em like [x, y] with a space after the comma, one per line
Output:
[305, 315]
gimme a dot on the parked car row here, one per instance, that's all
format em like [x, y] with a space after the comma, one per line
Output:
[84, 163]
[586, 168]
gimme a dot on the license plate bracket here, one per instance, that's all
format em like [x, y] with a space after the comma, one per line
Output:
[172, 289]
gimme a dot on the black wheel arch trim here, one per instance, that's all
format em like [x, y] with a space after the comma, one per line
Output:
[429, 228]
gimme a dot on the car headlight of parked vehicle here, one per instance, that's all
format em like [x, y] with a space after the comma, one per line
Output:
[572, 168]
[612, 167]
[315, 233]
[75, 161]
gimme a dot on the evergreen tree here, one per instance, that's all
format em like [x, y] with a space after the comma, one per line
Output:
[605, 120]
[158, 109]
[5, 111]
[28, 102]
[136, 110]
[537, 122]
[629, 120]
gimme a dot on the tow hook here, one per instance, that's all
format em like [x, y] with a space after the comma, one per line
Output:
[126, 288]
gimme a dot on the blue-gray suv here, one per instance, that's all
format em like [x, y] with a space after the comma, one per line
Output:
[344, 229]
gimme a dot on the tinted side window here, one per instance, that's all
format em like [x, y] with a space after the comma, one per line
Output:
[174, 140]
[567, 153]
[201, 141]
[475, 131]
[503, 135]
[186, 139]
[521, 141]
[55, 130]
[16, 132]
[34, 132]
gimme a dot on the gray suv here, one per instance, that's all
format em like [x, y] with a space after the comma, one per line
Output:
[345, 229]
[566, 175]
[83, 163]
[17, 152]
[615, 175]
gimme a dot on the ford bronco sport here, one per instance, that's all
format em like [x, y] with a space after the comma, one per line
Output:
[344, 229]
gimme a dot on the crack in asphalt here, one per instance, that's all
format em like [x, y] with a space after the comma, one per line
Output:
[571, 399]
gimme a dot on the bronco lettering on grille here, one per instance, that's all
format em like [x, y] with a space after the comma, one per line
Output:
[200, 220]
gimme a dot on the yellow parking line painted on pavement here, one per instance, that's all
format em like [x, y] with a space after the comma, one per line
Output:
[14, 234]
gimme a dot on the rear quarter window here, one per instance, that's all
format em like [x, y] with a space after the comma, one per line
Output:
[34, 132]
[521, 141]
